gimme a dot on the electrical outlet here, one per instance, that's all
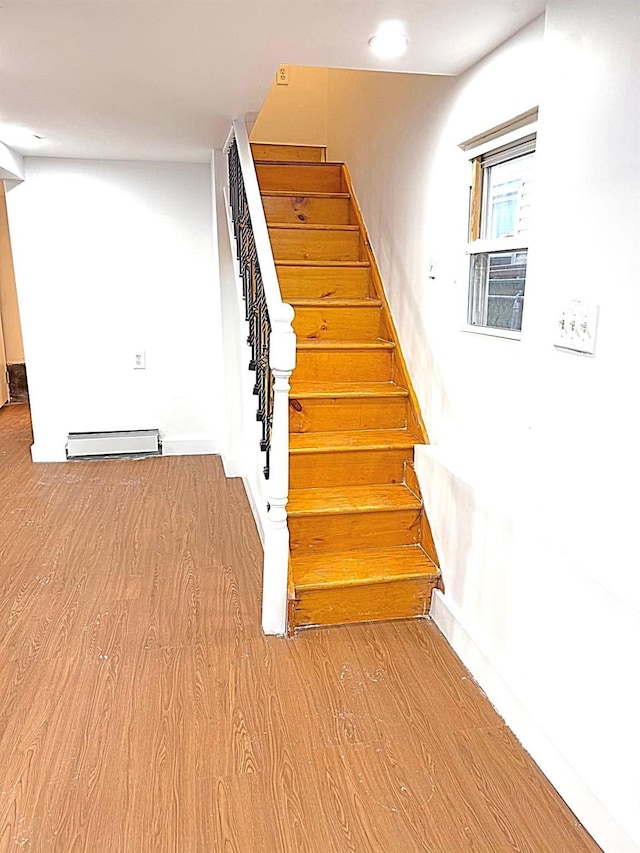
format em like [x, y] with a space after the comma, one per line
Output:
[139, 360]
[282, 77]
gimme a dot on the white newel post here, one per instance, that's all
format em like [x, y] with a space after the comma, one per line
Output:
[282, 360]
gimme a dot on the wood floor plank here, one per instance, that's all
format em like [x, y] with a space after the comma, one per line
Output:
[142, 710]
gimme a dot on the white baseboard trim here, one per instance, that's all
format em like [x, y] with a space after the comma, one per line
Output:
[189, 447]
[589, 810]
[251, 497]
[170, 447]
[232, 466]
[48, 452]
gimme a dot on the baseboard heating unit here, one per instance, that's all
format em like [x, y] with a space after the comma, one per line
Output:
[113, 445]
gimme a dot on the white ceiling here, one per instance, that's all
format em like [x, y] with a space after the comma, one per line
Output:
[161, 79]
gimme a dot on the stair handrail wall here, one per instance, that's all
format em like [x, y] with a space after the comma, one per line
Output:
[273, 356]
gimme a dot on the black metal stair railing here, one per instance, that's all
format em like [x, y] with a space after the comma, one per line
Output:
[256, 312]
[272, 342]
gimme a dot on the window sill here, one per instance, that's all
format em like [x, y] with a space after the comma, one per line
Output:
[489, 331]
[502, 244]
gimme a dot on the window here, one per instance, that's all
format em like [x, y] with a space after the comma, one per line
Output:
[500, 215]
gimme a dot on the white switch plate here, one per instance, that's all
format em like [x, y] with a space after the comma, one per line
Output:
[139, 360]
[576, 327]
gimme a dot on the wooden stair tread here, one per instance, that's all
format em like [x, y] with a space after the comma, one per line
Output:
[356, 568]
[346, 500]
[291, 194]
[297, 163]
[303, 390]
[372, 439]
[309, 226]
[289, 262]
[335, 303]
[352, 345]
[263, 162]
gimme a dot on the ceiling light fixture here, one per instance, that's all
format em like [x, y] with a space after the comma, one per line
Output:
[390, 41]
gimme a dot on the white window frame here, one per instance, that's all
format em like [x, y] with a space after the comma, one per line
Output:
[509, 134]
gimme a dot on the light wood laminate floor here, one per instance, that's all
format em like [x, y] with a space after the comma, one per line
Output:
[142, 709]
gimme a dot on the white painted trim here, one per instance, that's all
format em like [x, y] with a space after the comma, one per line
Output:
[497, 137]
[502, 244]
[228, 140]
[579, 797]
[279, 312]
[48, 452]
[232, 466]
[492, 332]
[189, 447]
[11, 164]
[251, 497]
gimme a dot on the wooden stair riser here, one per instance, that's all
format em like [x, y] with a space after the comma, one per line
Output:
[300, 179]
[337, 324]
[347, 468]
[335, 531]
[301, 209]
[306, 282]
[368, 603]
[294, 153]
[343, 365]
[344, 413]
[297, 244]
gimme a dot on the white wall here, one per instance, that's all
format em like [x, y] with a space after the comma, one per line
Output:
[532, 480]
[111, 257]
[399, 135]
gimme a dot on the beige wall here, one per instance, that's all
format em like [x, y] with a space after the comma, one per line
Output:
[295, 114]
[8, 297]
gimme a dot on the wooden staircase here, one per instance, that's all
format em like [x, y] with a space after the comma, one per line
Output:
[361, 545]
